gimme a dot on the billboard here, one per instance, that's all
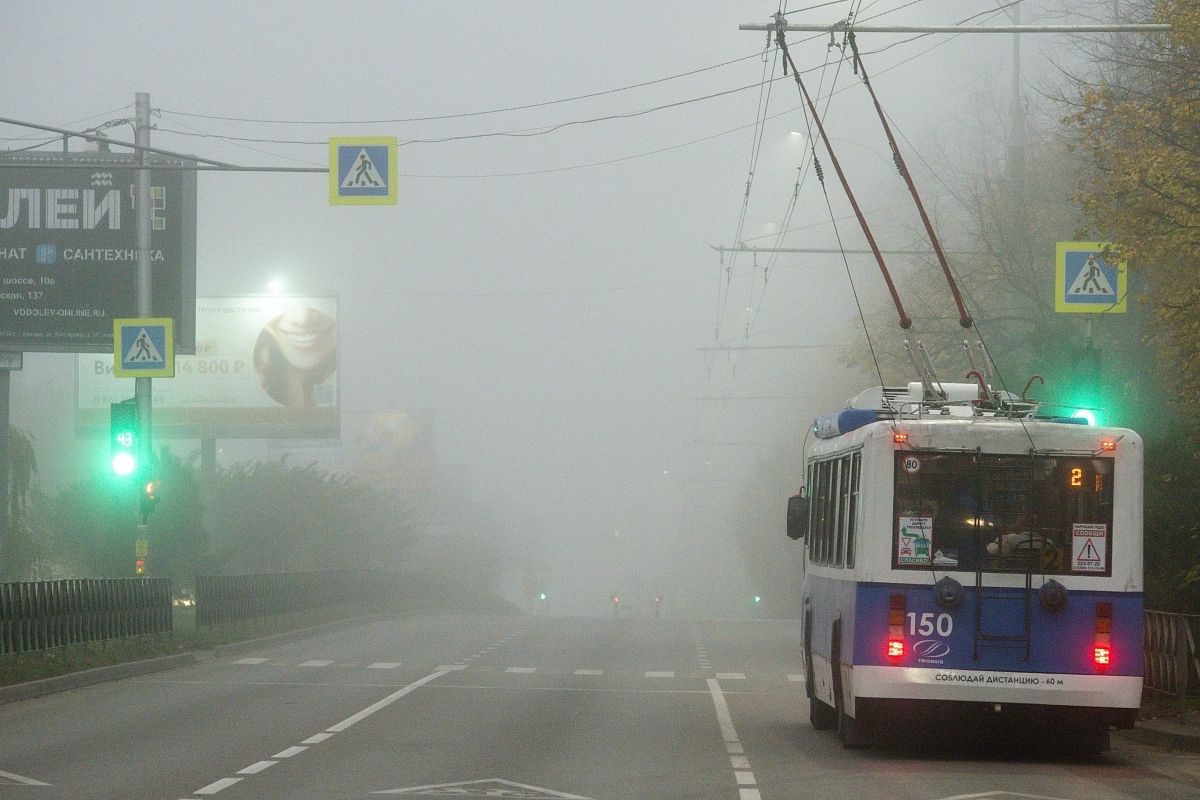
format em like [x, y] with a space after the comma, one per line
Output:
[68, 249]
[264, 368]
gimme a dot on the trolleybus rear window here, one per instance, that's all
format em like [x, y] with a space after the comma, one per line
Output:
[1003, 513]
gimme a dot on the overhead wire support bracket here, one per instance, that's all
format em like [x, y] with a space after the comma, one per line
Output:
[964, 319]
[780, 26]
[845, 25]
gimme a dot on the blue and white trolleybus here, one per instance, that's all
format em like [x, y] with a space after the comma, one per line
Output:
[965, 556]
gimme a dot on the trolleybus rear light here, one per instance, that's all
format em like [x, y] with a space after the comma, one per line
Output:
[895, 641]
[899, 437]
[1102, 647]
[1108, 445]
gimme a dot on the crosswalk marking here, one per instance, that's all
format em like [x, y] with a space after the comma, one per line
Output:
[475, 666]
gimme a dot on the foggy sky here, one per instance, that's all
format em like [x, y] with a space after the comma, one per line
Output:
[552, 321]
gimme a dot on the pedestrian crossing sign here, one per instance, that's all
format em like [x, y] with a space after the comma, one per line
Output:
[362, 170]
[144, 347]
[1085, 282]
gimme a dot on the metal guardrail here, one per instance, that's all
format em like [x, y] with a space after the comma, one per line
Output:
[222, 599]
[41, 615]
[1172, 661]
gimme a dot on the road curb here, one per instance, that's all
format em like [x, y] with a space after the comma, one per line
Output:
[1165, 739]
[88, 677]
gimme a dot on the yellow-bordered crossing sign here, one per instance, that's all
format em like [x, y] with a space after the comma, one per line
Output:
[1087, 284]
[144, 347]
[362, 170]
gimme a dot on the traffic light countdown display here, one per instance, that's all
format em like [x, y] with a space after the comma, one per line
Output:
[124, 438]
[124, 444]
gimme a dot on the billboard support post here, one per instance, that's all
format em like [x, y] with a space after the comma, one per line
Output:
[142, 390]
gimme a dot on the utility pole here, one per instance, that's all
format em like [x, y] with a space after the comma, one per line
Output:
[142, 389]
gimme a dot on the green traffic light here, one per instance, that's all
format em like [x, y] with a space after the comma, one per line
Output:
[124, 464]
[757, 599]
[542, 596]
[1085, 414]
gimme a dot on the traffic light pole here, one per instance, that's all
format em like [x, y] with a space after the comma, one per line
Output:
[143, 221]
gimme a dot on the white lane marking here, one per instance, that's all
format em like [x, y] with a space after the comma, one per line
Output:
[21, 779]
[217, 786]
[796, 678]
[744, 778]
[256, 767]
[521, 670]
[734, 747]
[749, 794]
[291, 751]
[739, 762]
[384, 703]
[589, 672]
[728, 732]
[488, 787]
[731, 676]
[252, 661]
[660, 674]
[451, 667]
[316, 663]
[384, 665]
[317, 738]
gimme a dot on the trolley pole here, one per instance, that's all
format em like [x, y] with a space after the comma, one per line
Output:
[143, 220]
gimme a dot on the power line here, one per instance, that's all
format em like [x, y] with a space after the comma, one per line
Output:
[465, 114]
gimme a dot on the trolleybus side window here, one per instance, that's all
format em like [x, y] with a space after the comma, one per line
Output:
[834, 488]
[1050, 514]
[851, 529]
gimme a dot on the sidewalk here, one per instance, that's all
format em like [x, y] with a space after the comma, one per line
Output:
[1167, 732]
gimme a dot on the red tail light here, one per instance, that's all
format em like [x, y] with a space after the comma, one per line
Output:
[895, 641]
[1102, 647]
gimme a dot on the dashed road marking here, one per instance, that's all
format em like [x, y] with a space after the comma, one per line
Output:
[660, 674]
[384, 665]
[451, 667]
[589, 672]
[316, 663]
[742, 775]
[316, 738]
[291, 751]
[253, 661]
[521, 670]
[796, 678]
[217, 786]
[731, 676]
[256, 767]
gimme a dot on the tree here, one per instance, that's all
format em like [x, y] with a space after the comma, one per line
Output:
[1138, 125]
[272, 516]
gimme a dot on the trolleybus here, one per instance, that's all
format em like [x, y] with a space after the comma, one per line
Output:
[966, 556]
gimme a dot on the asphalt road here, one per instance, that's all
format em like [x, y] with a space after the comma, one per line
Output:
[529, 707]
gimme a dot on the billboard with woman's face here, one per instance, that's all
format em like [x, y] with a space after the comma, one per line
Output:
[265, 367]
